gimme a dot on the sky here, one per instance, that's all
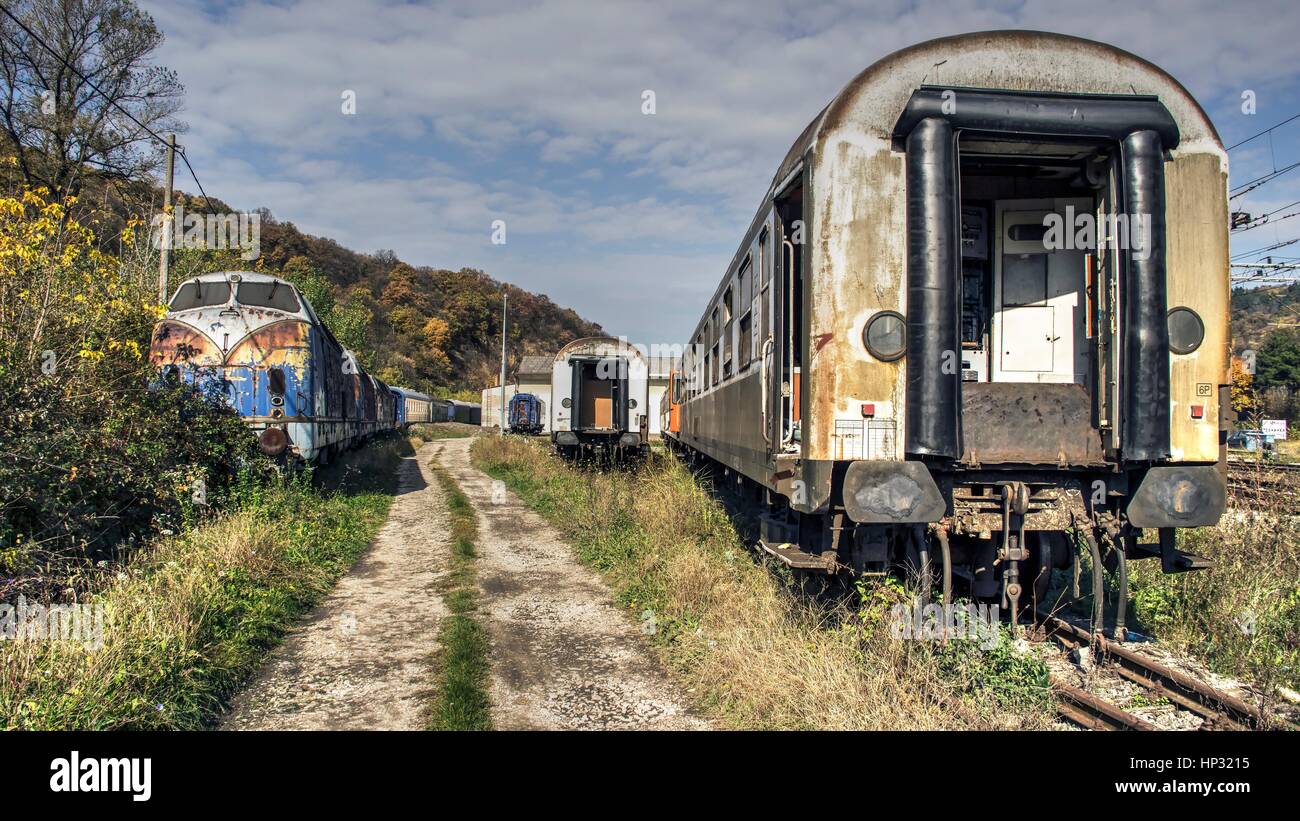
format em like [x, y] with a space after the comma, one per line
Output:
[531, 113]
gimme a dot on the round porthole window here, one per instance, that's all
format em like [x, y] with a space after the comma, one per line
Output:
[631, 403]
[886, 336]
[567, 402]
[1186, 330]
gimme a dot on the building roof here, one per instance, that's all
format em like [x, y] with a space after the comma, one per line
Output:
[535, 365]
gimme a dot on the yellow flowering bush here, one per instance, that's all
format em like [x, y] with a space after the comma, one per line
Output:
[91, 455]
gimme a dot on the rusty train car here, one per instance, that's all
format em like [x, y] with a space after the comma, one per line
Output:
[254, 339]
[979, 323]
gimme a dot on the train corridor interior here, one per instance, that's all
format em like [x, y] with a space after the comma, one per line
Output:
[1030, 346]
[598, 399]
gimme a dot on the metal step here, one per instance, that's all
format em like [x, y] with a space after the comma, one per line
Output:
[795, 557]
[1181, 562]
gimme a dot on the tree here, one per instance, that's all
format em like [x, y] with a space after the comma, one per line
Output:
[1277, 372]
[1243, 389]
[54, 121]
[1277, 365]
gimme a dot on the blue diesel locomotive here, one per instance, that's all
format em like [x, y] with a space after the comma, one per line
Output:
[255, 338]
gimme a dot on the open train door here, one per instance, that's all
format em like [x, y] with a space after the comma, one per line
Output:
[575, 393]
[781, 350]
[620, 394]
[771, 331]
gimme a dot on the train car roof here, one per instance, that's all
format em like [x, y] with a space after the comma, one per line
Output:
[1009, 60]
[408, 393]
[594, 342]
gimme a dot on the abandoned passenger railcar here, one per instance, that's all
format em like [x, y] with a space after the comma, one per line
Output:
[600, 399]
[982, 308]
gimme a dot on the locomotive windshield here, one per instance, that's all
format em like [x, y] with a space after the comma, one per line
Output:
[200, 295]
[275, 295]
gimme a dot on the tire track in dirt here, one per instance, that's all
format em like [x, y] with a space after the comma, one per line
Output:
[363, 659]
[563, 656]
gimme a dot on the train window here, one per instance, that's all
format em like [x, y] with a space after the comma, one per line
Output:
[197, 294]
[886, 336]
[275, 295]
[727, 334]
[746, 331]
[708, 368]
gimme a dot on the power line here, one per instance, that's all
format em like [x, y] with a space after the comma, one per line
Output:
[1262, 133]
[110, 100]
[1247, 187]
[1263, 219]
[1267, 248]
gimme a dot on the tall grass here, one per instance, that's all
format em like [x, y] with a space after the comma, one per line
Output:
[190, 618]
[754, 654]
[1241, 616]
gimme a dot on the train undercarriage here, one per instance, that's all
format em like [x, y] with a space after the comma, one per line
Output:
[1004, 535]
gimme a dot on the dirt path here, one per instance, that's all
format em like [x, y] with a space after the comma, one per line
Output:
[563, 656]
[362, 659]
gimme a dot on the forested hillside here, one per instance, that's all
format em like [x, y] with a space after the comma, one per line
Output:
[1257, 312]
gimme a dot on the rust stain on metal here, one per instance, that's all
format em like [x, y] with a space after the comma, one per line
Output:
[177, 344]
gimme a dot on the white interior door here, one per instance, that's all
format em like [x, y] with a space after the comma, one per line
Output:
[1039, 322]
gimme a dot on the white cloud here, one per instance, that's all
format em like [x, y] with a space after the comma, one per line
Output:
[546, 96]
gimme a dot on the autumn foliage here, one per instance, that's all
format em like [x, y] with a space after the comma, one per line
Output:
[91, 458]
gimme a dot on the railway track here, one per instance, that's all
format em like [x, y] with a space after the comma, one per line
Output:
[1217, 709]
[1261, 484]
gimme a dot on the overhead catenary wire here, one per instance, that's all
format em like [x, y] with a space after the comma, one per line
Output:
[1247, 187]
[110, 101]
[1275, 246]
[1268, 130]
[1265, 218]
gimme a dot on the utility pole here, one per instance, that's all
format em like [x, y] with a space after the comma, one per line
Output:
[165, 247]
[505, 301]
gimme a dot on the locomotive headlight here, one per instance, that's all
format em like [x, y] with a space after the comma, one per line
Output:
[886, 336]
[1186, 330]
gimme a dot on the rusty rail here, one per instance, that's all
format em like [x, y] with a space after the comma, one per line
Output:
[1094, 713]
[1218, 708]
